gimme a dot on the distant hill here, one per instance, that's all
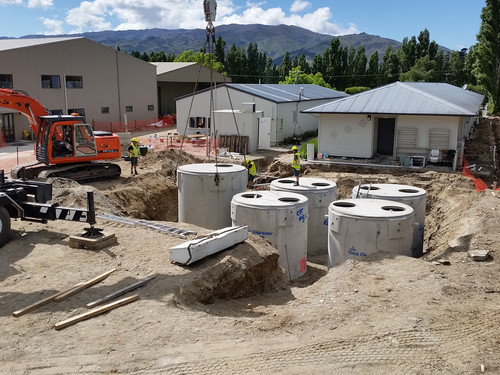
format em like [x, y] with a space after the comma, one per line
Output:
[273, 40]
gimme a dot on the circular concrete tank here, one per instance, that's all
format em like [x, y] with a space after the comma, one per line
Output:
[205, 192]
[360, 227]
[279, 217]
[412, 196]
[319, 193]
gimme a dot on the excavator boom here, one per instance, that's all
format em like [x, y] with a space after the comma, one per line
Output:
[20, 101]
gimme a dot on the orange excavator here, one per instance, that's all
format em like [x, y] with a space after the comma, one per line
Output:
[65, 145]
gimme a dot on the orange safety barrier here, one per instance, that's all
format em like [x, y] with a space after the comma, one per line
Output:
[478, 183]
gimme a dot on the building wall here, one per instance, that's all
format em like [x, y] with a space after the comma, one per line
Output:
[430, 131]
[345, 135]
[286, 118]
[352, 135]
[110, 79]
[247, 125]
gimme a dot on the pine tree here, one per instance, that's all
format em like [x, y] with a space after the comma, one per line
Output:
[487, 53]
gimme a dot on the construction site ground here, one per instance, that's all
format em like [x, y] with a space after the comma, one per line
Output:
[235, 312]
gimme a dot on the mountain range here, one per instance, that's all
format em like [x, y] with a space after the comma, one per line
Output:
[273, 40]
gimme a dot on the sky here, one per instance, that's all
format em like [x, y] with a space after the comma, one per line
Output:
[451, 23]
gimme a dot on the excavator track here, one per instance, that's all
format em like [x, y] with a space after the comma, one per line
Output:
[83, 172]
[80, 172]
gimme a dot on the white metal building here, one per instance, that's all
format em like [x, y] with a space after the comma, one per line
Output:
[68, 75]
[181, 78]
[399, 119]
[280, 105]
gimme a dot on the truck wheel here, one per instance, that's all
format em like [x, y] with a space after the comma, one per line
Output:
[4, 226]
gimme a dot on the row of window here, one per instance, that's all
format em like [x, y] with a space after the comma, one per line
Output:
[104, 110]
[54, 82]
[48, 81]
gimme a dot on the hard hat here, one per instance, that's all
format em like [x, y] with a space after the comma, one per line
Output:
[134, 140]
[294, 148]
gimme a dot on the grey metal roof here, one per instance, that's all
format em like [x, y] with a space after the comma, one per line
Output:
[411, 98]
[288, 92]
[9, 44]
[167, 67]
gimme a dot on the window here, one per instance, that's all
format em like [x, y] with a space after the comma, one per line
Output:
[74, 82]
[80, 111]
[407, 137]
[151, 107]
[57, 112]
[439, 139]
[129, 108]
[199, 122]
[6, 81]
[51, 82]
[104, 109]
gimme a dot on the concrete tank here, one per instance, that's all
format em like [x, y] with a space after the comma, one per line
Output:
[319, 193]
[279, 217]
[204, 200]
[360, 227]
[412, 196]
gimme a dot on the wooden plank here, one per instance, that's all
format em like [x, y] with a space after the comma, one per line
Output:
[120, 292]
[96, 311]
[42, 302]
[84, 285]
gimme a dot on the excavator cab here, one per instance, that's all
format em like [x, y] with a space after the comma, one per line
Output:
[65, 139]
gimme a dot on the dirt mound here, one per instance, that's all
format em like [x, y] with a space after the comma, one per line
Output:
[250, 268]
[70, 193]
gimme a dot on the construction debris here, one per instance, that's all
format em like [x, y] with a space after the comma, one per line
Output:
[96, 311]
[120, 292]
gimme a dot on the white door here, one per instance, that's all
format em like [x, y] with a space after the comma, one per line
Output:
[264, 133]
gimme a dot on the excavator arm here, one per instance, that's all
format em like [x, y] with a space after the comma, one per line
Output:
[20, 101]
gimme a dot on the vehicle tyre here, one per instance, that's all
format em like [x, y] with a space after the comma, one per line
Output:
[4, 226]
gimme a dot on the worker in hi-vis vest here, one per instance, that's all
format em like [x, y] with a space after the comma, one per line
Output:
[252, 172]
[296, 165]
[133, 151]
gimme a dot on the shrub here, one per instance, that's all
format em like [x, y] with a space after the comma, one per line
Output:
[355, 90]
[303, 148]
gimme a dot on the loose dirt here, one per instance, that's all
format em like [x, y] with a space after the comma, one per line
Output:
[236, 312]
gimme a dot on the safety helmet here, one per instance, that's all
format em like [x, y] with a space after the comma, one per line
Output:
[294, 148]
[134, 140]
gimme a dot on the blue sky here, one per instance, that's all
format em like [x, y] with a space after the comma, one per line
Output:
[451, 23]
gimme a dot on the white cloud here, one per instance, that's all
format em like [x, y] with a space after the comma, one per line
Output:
[52, 27]
[44, 4]
[11, 2]
[299, 6]
[317, 21]
[98, 15]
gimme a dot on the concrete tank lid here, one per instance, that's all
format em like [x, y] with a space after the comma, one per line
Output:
[306, 184]
[391, 190]
[371, 208]
[211, 168]
[269, 199]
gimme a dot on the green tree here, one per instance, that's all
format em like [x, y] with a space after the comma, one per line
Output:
[296, 76]
[487, 53]
[304, 65]
[372, 71]
[422, 71]
[220, 46]
[286, 65]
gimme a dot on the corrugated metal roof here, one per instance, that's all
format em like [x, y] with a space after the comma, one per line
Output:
[411, 98]
[289, 92]
[167, 67]
[9, 44]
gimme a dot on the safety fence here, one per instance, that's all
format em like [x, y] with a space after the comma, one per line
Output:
[134, 125]
[469, 172]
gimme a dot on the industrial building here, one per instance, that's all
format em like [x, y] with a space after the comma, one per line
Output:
[414, 121]
[76, 75]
